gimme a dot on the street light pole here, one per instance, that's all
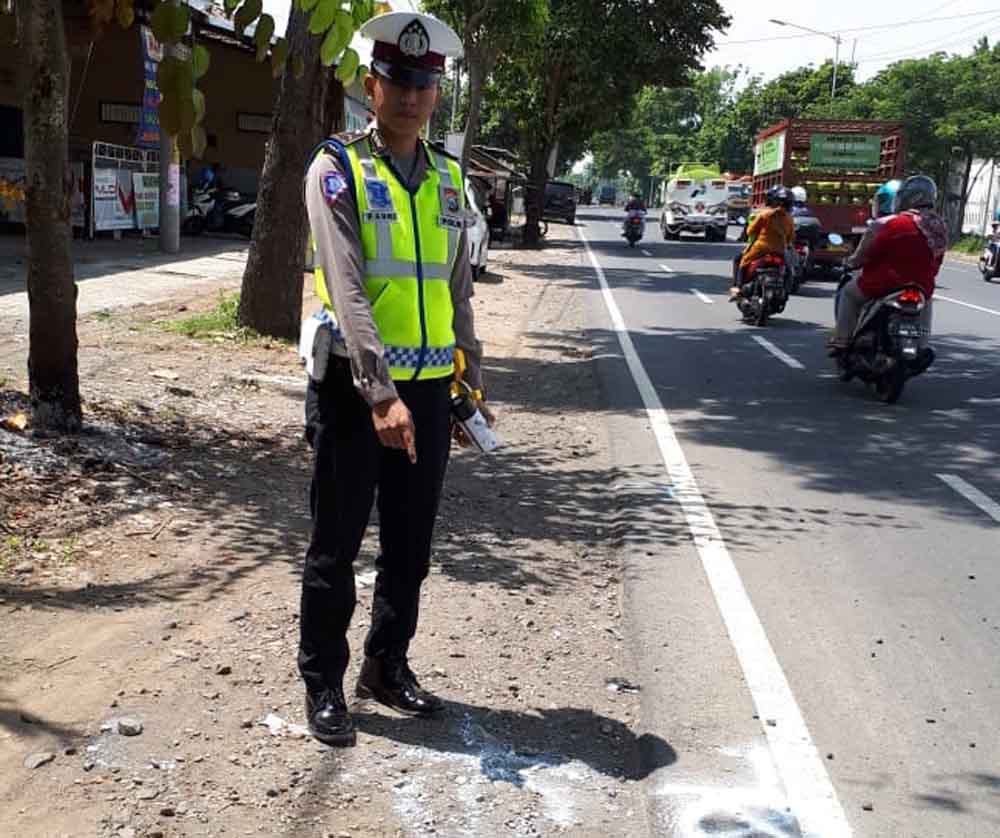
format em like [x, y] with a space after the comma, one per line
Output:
[832, 36]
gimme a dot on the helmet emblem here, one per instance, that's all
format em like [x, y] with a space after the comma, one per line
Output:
[414, 40]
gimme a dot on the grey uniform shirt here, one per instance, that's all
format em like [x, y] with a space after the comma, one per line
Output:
[334, 222]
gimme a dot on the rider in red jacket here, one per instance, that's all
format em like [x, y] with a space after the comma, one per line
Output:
[906, 248]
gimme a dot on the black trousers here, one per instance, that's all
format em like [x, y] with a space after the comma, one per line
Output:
[351, 468]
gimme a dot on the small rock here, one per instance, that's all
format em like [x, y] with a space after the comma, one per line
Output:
[24, 567]
[272, 792]
[238, 615]
[126, 832]
[168, 811]
[38, 760]
[148, 794]
[772, 722]
[127, 726]
[89, 765]
[868, 806]
[223, 669]
[70, 751]
[246, 723]
[829, 756]
[606, 728]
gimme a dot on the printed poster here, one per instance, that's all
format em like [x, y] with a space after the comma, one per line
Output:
[114, 200]
[147, 199]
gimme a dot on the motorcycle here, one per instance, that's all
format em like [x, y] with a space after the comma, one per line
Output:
[635, 226]
[884, 350]
[989, 262]
[219, 210]
[765, 292]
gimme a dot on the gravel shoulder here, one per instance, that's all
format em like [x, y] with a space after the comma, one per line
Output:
[149, 577]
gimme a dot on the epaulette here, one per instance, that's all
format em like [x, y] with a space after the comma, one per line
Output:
[438, 146]
[350, 137]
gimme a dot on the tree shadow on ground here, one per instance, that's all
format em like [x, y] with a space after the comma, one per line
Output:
[30, 726]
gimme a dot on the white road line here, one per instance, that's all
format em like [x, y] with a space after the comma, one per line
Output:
[807, 784]
[703, 297]
[973, 495]
[967, 305]
[780, 354]
[646, 253]
[667, 268]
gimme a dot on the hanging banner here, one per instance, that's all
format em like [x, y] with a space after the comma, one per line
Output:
[149, 121]
[147, 200]
[114, 200]
[769, 155]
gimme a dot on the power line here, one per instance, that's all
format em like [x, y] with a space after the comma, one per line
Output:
[958, 37]
[897, 25]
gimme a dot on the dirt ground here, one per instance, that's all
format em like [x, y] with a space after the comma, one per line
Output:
[149, 573]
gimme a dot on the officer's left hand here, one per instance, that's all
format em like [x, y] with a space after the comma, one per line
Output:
[458, 432]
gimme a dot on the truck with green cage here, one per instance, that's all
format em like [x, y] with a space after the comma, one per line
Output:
[840, 164]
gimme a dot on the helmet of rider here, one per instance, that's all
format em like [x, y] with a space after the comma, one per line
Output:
[778, 196]
[799, 194]
[883, 198]
[917, 192]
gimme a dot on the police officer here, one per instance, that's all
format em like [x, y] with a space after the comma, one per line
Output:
[387, 215]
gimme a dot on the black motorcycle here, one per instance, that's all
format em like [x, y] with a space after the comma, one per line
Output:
[765, 292]
[884, 350]
[989, 262]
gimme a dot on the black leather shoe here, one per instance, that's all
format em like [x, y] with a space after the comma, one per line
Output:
[328, 718]
[390, 681]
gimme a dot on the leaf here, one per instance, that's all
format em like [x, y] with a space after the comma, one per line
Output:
[198, 98]
[199, 141]
[298, 67]
[177, 113]
[322, 16]
[361, 11]
[18, 422]
[174, 76]
[279, 57]
[348, 68]
[333, 46]
[231, 6]
[200, 59]
[262, 35]
[125, 13]
[247, 14]
[307, 5]
[170, 22]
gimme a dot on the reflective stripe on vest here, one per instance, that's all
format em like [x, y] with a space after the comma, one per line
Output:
[410, 244]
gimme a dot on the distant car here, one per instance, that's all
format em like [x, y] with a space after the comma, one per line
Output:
[607, 196]
[560, 202]
[478, 232]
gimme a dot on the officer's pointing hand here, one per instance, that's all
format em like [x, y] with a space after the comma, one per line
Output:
[394, 426]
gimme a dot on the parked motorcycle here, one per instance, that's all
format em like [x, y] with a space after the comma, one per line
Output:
[765, 292]
[989, 262]
[635, 226]
[884, 350]
[219, 211]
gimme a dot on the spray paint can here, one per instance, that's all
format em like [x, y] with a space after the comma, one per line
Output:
[466, 414]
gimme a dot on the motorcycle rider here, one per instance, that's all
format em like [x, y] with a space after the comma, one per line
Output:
[904, 248]
[633, 205]
[771, 232]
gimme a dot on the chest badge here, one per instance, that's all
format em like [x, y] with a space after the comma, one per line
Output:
[452, 215]
[380, 206]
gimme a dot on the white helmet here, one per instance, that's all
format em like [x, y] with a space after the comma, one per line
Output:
[799, 194]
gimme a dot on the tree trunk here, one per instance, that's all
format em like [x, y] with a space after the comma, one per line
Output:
[271, 296]
[54, 382]
[475, 107]
[963, 195]
[534, 204]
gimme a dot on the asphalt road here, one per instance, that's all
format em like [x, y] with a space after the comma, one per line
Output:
[813, 583]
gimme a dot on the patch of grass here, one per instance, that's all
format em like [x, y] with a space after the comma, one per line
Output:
[220, 323]
[970, 244]
[103, 315]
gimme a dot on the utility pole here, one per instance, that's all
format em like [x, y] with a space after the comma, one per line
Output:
[170, 181]
[836, 63]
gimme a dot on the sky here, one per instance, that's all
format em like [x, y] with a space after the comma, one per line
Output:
[877, 33]
[952, 26]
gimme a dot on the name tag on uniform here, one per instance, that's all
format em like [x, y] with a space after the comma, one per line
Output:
[452, 215]
[380, 207]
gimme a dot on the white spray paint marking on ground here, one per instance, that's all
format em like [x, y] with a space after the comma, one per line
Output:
[560, 793]
[973, 495]
[667, 268]
[807, 784]
[967, 305]
[733, 811]
[780, 354]
[703, 297]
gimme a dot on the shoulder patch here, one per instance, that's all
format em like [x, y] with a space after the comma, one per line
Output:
[334, 184]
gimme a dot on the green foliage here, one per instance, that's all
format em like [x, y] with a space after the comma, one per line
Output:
[169, 22]
[262, 35]
[348, 66]
[247, 14]
[221, 321]
[969, 244]
[200, 61]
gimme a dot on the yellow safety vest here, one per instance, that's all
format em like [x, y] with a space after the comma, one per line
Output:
[410, 244]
